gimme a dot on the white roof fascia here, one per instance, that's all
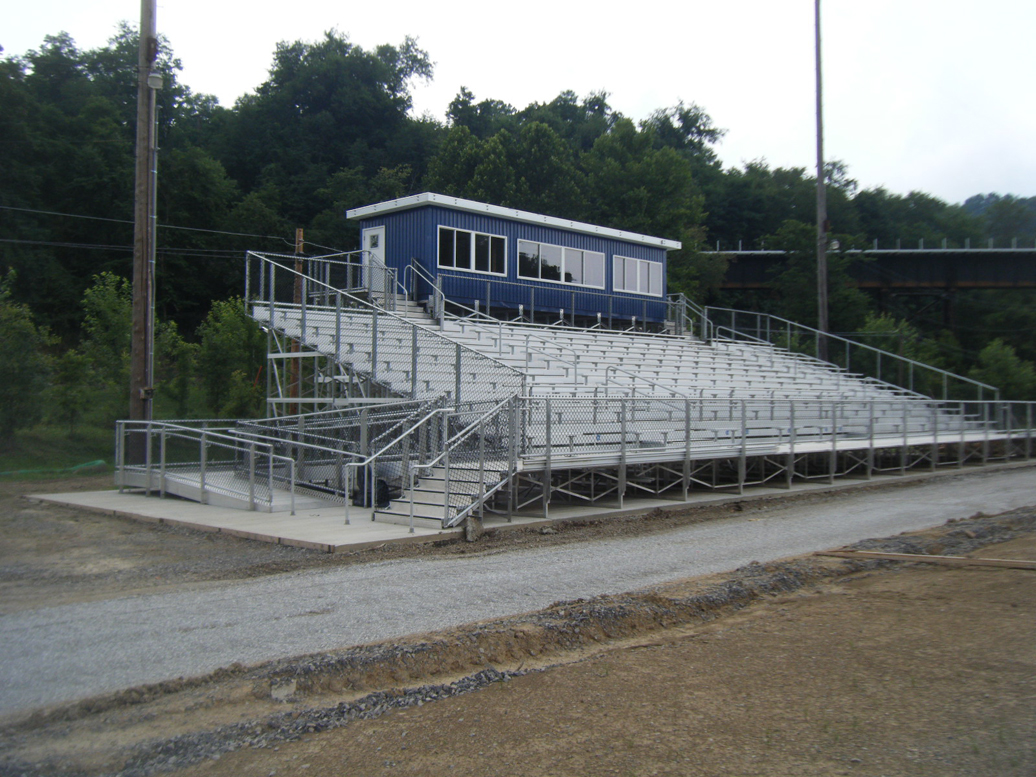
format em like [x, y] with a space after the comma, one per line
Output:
[456, 203]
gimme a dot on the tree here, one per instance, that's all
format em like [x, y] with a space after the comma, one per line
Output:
[175, 364]
[108, 326]
[325, 106]
[484, 119]
[999, 366]
[686, 128]
[230, 342]
[795, 284]
[24, 366]
[108, 331]
[70, 392]
[633, 185]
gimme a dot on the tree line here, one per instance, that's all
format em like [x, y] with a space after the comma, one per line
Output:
[332, 127]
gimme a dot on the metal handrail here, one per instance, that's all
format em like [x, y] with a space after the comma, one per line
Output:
[816, 333]
[574, 365]
[451, 444]
[372, 458]
[406, 322]
[813, 360]
[204, 436]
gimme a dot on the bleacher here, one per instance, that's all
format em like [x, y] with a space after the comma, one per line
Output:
[596, 397]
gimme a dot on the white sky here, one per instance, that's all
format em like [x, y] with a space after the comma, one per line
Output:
[929, 95]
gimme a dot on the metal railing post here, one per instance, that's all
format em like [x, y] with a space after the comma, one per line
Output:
[962, 442]
[204, 497]
[1028, 430]
[413, 485]
[413, 362]
[903, 452]
[374, 344]
[742, 462]
[293, 486]
[792, 431]
[687, 448]
[870, 440]
[147, 457]
[347, 490]
[269, 476]
[985, 433]
[446, 483]
[251, 476]
[622, 451]
[338, 327]
[120, 453]
[512, 463]
[833, 465]
[935, 437]
[161, 466]
[456, 391]
[481, 470]
[549, 448]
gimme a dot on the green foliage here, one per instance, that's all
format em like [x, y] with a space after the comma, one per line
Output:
[231, 342]
[175, 365]
[796, 283]
[244, 397]
[108, 325]
[326, 106]
[632, 185]
[898, 337]
[108, 331]
[71, 391]
[696, 273]
[999, 366]
[24, 366]
[332, 128]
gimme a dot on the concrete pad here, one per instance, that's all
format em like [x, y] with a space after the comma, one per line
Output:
[323, 528]
[320, 529]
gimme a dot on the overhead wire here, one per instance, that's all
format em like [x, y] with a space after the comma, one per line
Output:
[128, 221]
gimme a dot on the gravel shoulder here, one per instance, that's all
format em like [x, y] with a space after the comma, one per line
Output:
[52, 555]
[810, 666]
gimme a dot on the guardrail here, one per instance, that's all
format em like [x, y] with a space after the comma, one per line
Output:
[434, 364]
[850, 355]
[443, 437]
[203, 461]
[580, 432]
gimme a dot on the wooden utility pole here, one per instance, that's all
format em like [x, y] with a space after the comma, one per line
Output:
[142, 343]
[822, 224]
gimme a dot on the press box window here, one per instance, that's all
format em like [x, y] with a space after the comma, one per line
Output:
[546, 262]
[638, 276]
[473, 251]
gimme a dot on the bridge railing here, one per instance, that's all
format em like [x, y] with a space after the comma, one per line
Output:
[851, 355]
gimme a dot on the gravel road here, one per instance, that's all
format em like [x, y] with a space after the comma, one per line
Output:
[64, 653]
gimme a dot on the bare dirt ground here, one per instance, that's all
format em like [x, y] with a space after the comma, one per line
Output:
[813, 666]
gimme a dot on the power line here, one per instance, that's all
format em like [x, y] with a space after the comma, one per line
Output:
[212, 253]
[54, 244]
[128, 221]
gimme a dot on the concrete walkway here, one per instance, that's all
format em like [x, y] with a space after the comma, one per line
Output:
[69, 652]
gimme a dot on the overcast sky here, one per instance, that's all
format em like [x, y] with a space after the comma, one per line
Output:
[929, 95]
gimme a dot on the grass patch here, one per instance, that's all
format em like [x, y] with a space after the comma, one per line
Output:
[48, 449]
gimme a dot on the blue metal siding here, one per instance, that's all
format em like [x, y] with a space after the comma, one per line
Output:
[413, 234]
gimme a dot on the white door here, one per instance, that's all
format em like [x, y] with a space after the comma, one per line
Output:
[374, 260]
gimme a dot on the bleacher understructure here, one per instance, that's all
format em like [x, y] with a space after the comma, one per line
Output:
[435, 415]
